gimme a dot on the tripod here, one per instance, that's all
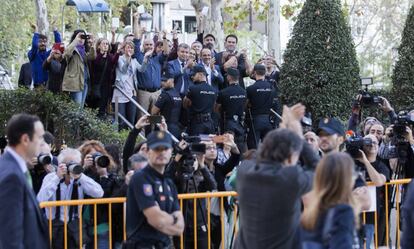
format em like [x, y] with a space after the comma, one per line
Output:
[189, 178]
[399, 173]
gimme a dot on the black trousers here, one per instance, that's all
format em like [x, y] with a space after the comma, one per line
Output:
[202, 239]
[258, 129]
[239, 133]
[198, 127]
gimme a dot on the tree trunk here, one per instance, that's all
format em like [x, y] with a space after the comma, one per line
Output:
[213, 22]
[41, 17]
[274, 30]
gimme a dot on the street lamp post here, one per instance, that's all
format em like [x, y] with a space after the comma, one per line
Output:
[146, 21]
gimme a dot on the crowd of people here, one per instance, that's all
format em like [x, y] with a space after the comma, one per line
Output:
[163, 75]
[300, 185]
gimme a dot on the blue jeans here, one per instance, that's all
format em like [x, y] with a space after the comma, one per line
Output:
[129, 111]
[369, 234]
[80, 97]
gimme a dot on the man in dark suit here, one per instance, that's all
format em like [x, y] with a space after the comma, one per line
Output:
[23, 225]
[180, 69]
[214, 76]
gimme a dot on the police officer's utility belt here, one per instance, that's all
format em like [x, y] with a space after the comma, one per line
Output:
[236, 118]
[201, 117]
[151, 90]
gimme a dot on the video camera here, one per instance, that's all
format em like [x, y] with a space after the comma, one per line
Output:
[355, 143]
[100, 160]
[368, 99]
[189, 154]
[400, 126]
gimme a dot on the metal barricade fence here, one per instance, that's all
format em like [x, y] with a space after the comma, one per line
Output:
[48, 206]
[208, 196]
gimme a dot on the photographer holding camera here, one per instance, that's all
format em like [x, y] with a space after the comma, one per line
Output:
[398, 145]
[365, 100]
[191, 175]
[373, 169]
[43, 164]
[67, 183]
[98, 165]
[219, 172]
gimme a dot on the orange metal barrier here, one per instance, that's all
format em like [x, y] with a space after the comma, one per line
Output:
[398, 184]
[196, 197]
[109, 201]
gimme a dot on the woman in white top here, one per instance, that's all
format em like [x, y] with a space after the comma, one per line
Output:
[126, 79]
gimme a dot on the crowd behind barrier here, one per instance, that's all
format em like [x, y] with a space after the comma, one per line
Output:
[285, 168]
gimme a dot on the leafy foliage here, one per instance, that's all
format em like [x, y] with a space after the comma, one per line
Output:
[320, 67]
[59, 115]
[403, 87]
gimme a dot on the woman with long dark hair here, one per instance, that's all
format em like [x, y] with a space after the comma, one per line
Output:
[102, 68]
[77, 77]
[331, 215]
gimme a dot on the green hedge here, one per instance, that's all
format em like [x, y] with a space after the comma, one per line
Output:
[60, 115]
[320, 67]
[403, 75]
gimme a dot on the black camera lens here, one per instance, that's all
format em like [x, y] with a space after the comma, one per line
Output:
[44, 159]
[100, 160]
[75, 168]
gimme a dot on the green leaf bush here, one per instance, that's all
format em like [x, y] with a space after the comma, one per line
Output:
[320, 67]
[61, 116]
[403, 76]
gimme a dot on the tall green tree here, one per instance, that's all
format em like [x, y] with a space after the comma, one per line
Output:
[403, 76]
[320, 67]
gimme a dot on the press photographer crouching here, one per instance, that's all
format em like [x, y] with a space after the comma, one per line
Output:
[191, 175]
[68, 183]
[98, 165]
[364, 150]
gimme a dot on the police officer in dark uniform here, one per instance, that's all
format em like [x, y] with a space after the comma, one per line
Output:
[152, 208]
[169, 105]
[260, 99]
[231, 102]
[200, 101]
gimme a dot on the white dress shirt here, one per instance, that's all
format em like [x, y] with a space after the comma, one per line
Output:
[86, 185]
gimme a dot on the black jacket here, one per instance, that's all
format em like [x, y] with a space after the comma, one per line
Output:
[269, 188]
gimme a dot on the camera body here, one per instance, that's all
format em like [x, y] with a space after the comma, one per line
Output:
[355, 143]
[403, 120]
[74, 168]
[44, 159]
[368, 99]
[100, 160]
[189, 154]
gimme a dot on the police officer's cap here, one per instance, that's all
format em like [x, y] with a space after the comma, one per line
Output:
[233, 72]
[198, 69]
[259, 67]
[159, 138]
[166, 76]
[331, 126]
